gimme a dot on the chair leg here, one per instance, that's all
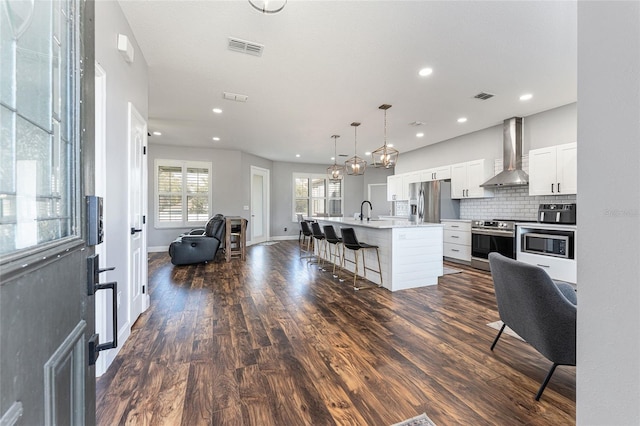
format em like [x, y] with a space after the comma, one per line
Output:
[355, 274]
[546, 381]
[498, 336]
[379, 267]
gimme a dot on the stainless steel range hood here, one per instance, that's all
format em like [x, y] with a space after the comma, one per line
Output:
[512, 173]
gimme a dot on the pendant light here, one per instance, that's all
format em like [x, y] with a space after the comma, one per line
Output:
[385, 156]
[355, 165]
[268, 7]
[335, 172]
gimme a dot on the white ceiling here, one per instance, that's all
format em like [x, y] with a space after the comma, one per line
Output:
[329, 63]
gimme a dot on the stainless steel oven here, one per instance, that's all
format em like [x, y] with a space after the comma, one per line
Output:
[549, 243]
[491, 236]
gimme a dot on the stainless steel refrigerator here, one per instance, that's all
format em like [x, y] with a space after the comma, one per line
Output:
[432, 202]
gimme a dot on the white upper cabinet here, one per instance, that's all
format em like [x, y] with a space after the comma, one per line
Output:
[553, 170]
[466, 179]
[394, 188]
[438, 173]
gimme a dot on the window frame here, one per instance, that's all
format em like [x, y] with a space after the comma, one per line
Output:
[184, 165]
[310, 198]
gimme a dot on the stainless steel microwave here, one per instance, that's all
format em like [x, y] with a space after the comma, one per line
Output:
[549, 243]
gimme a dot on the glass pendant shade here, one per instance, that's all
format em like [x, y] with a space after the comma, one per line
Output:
[355, 165]
[335, 172]
[385, 156]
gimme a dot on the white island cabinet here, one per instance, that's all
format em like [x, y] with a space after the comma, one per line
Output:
[410, 253]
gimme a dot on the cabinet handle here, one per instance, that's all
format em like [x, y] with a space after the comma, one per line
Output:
[543, 266]
[454, 226]
[454, 236]
[558, 187]
[552, 188]
[455, 250]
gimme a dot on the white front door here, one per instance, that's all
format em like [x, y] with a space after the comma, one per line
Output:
[138, 301]
[259, 222]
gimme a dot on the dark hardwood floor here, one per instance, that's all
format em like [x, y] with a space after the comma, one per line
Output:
[275, 341]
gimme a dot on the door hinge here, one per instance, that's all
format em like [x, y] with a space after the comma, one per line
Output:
[144, 220]
[144, 150]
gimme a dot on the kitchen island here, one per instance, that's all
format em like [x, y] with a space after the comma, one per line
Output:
[410, 253]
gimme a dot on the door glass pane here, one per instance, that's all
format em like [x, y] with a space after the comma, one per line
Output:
[39, 139]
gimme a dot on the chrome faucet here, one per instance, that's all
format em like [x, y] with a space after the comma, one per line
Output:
[362, 206]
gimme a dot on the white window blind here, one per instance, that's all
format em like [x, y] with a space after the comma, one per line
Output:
[183, 193]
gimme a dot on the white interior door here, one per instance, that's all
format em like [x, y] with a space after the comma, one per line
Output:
[138, 301]
[377, 194]
[259, 222]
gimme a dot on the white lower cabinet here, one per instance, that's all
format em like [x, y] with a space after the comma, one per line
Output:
[558, 268]
[457, 240]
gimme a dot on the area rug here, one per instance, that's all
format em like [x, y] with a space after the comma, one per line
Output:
[498, 325]
[421, 420]
[268, 243]
[448, 271]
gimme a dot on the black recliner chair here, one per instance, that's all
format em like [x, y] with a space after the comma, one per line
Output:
[199, 245]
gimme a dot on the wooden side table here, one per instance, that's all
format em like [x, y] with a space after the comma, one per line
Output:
[235, 237]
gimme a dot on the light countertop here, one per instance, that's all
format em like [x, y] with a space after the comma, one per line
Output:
[376, 223]
[456, 220]
[550, 226]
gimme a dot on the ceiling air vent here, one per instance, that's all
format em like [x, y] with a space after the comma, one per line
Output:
[483, 96]
[416, 123]
[244, 46]
[234, 97]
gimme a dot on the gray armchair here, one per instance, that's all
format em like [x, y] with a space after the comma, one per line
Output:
[199, 245]
[538, 309]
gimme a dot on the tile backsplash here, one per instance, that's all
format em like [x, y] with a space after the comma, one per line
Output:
[509, 203]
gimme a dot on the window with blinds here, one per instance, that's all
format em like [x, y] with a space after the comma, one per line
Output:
[316, 195]
[183, 193]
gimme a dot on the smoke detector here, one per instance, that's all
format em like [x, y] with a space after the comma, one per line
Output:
[244, 46]
[234, 97]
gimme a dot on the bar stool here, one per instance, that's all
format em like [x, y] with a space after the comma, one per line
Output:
[333, 240]
[350, 241]
[321, 243]
[308, 234]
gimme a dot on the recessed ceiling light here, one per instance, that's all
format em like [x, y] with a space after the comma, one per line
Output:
[367, 153]
[333, 158]
[217, 110]
[390, 145]
[419, 135]
[462, 119]
[526, 97]
[297, 155]
[215, 138]
[157, 133]
[425, 72]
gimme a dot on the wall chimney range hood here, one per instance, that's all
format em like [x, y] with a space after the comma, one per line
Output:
[512, 173]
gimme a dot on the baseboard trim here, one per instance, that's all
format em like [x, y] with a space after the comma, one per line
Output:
[284, 238]
[157, 249]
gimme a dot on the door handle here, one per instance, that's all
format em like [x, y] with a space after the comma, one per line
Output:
[93, 270]
[134, 230]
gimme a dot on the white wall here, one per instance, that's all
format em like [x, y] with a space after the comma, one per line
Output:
[230, 186]
[553, 127]
[609, 215]
[125, 83]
